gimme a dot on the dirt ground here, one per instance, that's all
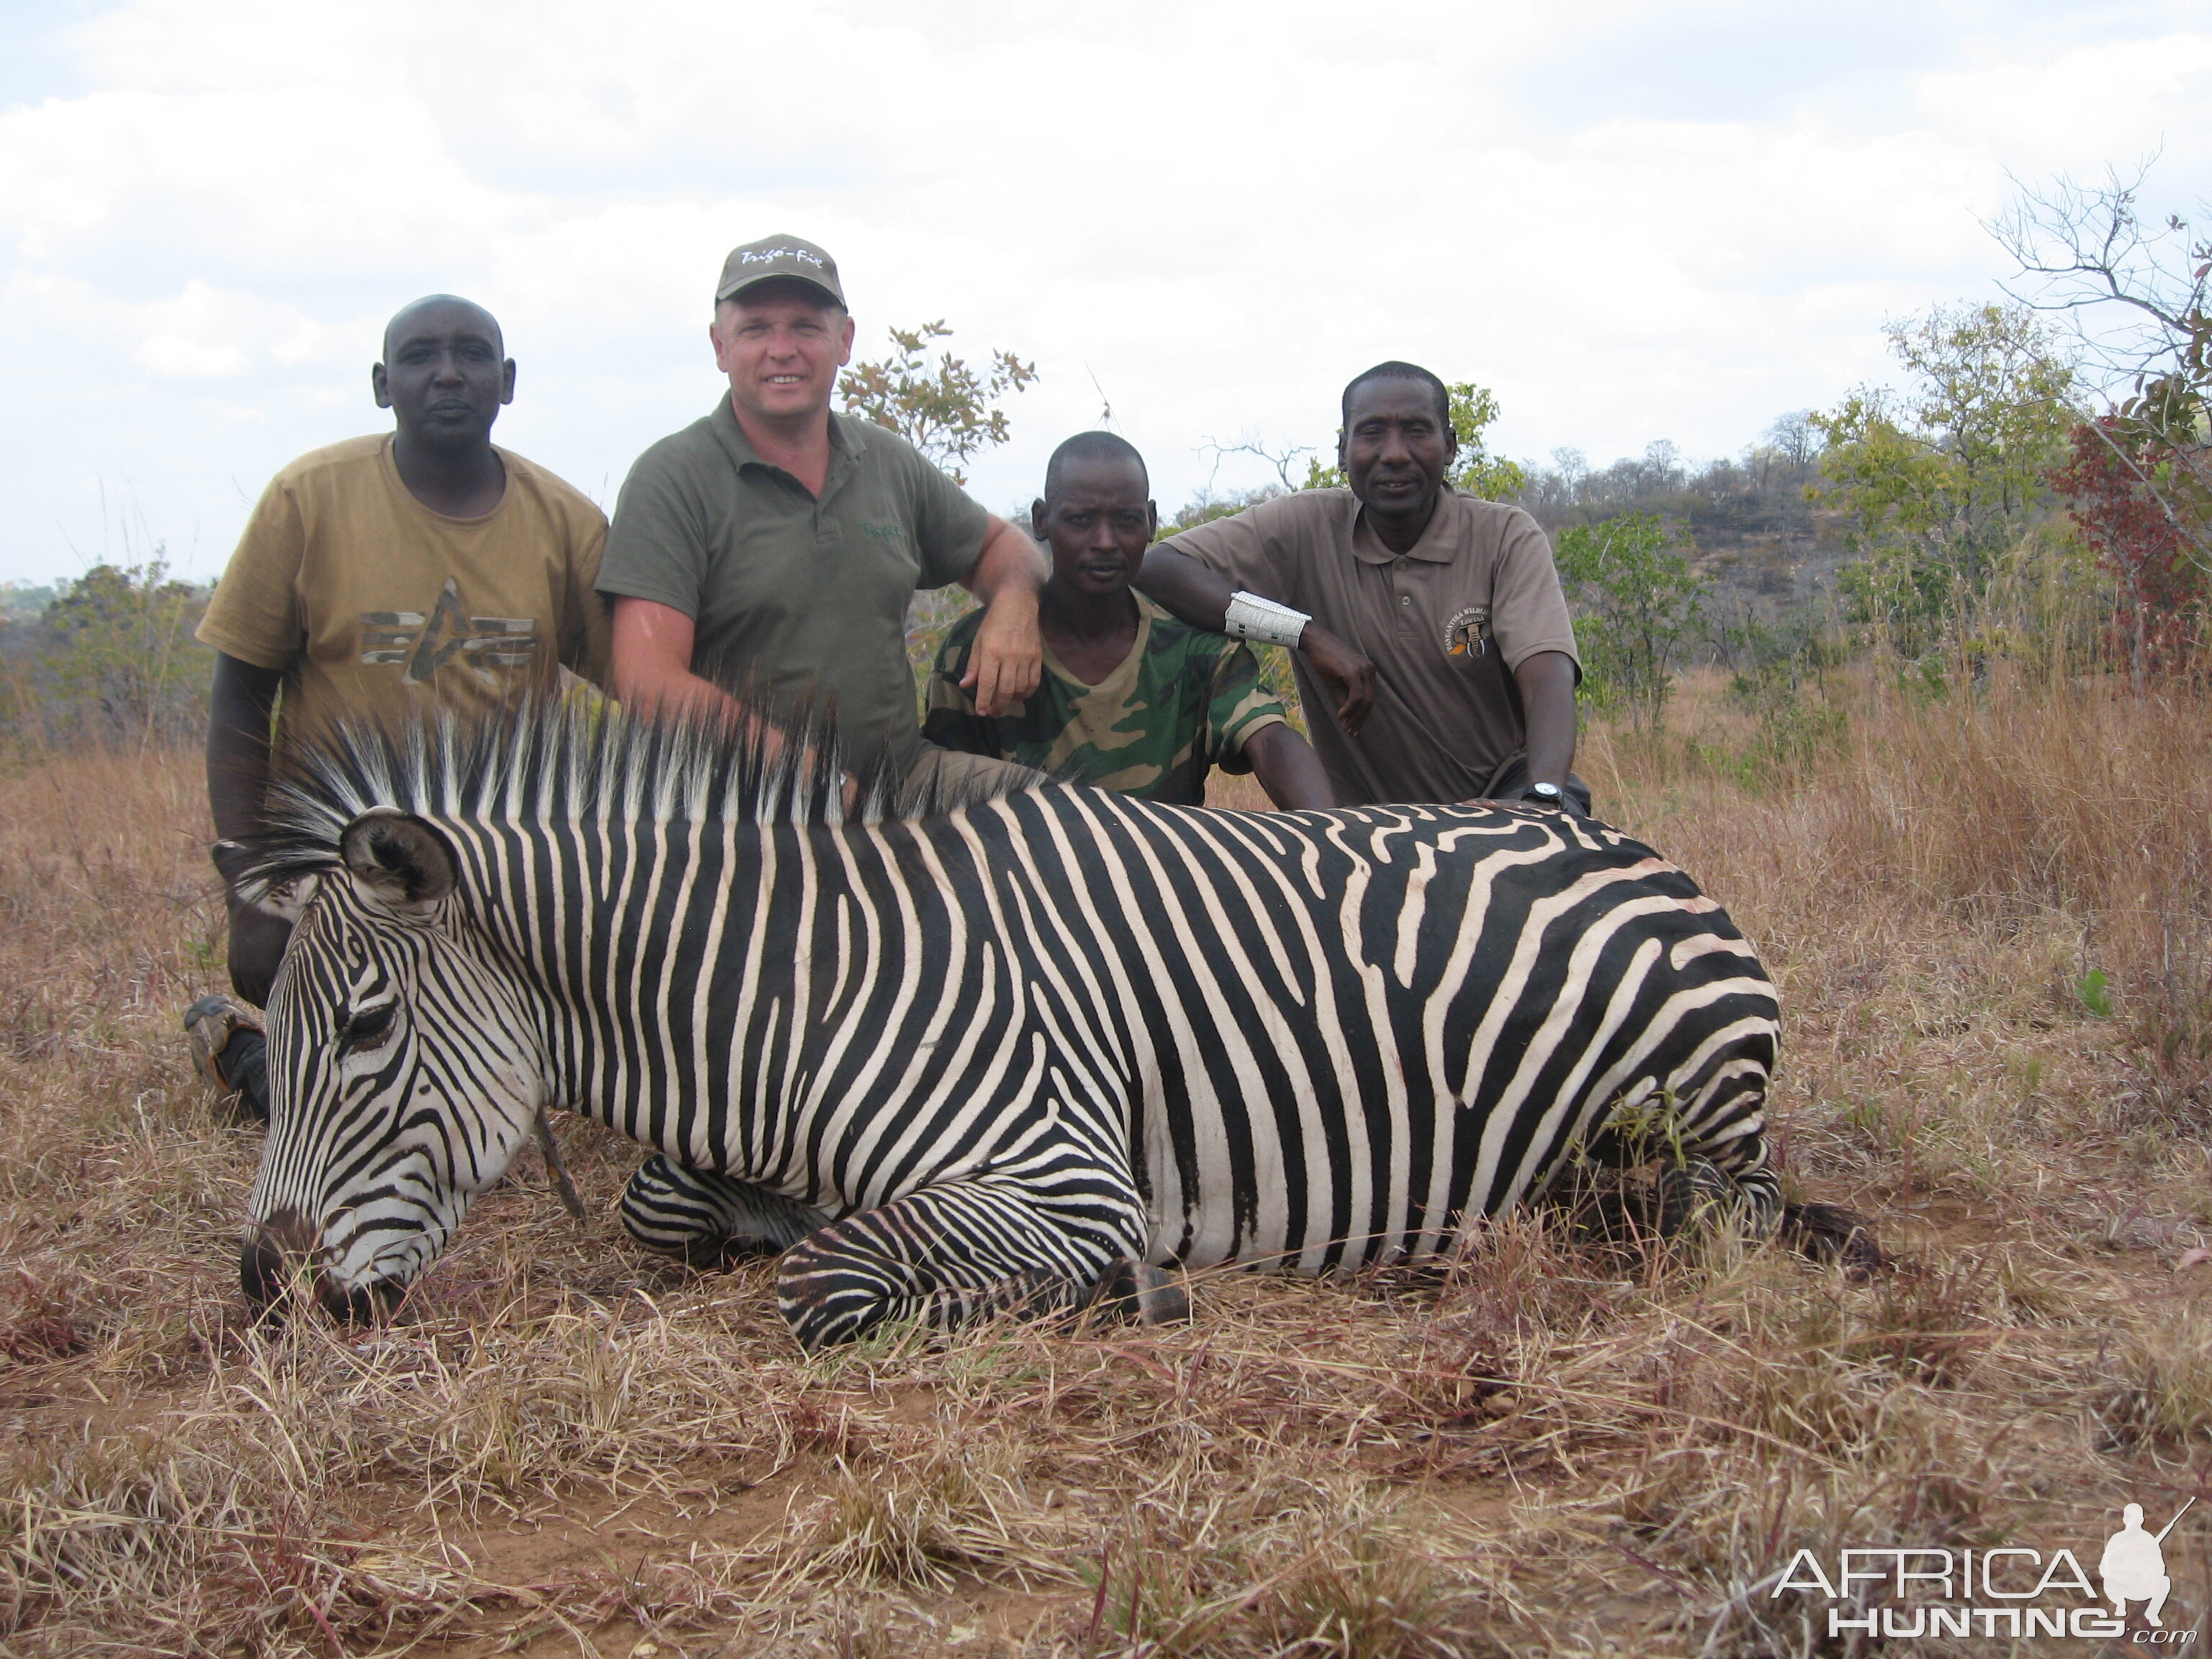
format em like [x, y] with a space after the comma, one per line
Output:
[1988, 917]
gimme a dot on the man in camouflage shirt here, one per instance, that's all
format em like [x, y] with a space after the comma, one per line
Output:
[1131, 699]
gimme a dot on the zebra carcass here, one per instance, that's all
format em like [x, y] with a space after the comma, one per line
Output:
[961, 1060]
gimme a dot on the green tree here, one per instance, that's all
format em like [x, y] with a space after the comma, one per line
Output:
[948, 413]
[1473, 410]
[1943, 478]
[1638, 607]
[113, 658]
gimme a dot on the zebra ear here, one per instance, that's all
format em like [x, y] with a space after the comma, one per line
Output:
[400, 857]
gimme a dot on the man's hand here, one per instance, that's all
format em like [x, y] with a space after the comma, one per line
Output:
[1008, 659]
[1351, 674]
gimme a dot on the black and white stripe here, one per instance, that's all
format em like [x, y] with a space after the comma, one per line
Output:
[966, 1060]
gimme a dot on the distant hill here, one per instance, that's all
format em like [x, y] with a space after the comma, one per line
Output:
[1746, 524]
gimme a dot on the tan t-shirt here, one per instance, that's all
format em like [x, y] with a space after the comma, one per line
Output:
[1444, 624]
[372, 604]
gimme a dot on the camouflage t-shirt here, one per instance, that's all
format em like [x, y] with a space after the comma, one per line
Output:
[1182, 700]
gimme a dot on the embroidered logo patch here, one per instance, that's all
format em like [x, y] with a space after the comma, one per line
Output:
[1468, 633]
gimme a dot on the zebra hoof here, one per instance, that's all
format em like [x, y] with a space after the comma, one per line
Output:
[1827, 1233]
[1138, 1291]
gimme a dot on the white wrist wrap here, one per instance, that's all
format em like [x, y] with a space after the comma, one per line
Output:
[1251, 617]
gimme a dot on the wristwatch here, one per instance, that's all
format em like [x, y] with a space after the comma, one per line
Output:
[1544, 795]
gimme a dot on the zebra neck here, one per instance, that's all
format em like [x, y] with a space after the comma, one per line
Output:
[703, 977]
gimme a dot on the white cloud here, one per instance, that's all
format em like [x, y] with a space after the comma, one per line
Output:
[1219, 211]
[2109, 100]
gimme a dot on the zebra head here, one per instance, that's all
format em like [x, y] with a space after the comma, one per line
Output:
[403, 1070]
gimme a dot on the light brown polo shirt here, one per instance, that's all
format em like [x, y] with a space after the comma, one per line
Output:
[1444, 624]
[799, 603]
[371, 605]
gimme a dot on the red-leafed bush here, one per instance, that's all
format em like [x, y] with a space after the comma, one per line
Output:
[2117, 490]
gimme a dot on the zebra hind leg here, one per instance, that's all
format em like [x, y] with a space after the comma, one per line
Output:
[709, 1220]
[1672, 1195]
[947, 1254]
[1827, 1232]
[1751, 1196]
[1696, 1192]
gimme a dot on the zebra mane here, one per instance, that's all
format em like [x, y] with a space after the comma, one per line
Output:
[561, 758]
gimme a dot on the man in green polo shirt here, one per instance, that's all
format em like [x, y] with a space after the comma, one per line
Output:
[762, 558]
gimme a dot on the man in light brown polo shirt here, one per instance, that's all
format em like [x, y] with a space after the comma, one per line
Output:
[1454, 601]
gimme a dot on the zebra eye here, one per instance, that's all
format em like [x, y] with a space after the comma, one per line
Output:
[369, 1027]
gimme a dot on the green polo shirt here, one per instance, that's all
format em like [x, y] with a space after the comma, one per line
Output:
[801, 604]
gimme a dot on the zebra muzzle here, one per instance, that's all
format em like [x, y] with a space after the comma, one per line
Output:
[278, 1270]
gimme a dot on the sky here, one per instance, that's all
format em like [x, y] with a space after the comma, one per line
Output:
[1631, 221]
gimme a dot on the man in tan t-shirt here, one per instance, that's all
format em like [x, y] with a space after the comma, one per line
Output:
[1432, 620]
[382, 578]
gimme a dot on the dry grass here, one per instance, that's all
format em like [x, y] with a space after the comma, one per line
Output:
[1988, 916]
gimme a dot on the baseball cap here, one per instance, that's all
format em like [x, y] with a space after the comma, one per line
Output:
[774, 256]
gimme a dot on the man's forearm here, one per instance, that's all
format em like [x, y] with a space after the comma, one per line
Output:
[1008, 659]
[650, 658]
[1547, 699]
[678, 692]
[1184, 588]
[240, 707]
[1289, 770]
[1188, 591]
[1009, 566]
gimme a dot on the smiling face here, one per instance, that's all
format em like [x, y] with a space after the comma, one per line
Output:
[781, 344]
[445, 375]
[1097, 522]
[1396, 446]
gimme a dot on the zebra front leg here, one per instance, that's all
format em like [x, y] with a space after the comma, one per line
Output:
[949, 1254]
[710, 1219]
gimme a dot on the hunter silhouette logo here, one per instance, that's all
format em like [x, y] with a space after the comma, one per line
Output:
[2133, 1565]
[2010, 1590]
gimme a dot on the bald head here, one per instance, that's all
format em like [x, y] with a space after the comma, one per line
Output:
[1093, 447]
[444, 373]
[443, 313]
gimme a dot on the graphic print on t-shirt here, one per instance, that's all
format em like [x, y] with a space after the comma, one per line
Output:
[422, 645]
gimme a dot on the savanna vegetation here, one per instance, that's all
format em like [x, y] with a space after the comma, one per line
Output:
[1914, 686]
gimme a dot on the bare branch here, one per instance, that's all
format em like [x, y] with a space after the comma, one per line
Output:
[1281, 460]
[2082, 248]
